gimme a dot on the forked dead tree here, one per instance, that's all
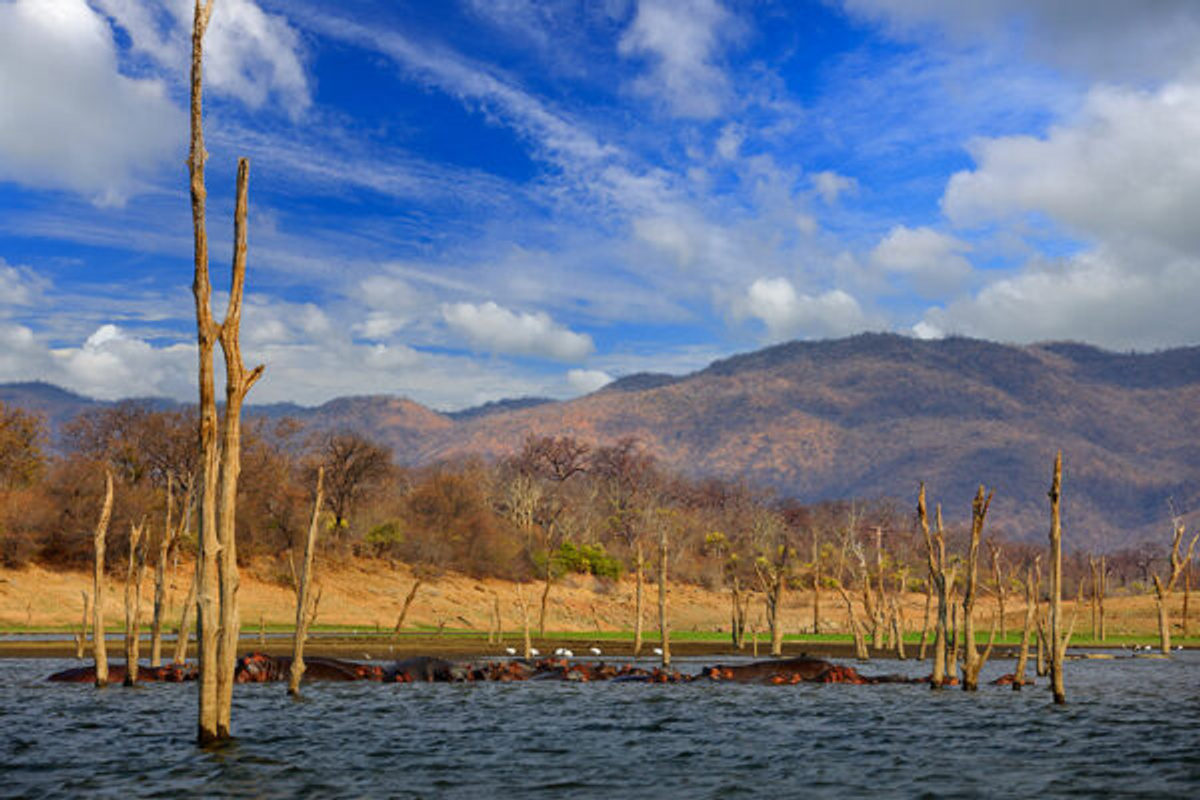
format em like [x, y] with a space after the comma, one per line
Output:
[943, 580]
[171, 533]
[99, 648]
[1163, 589]
[217, 574]
[973, 661]
[133, 601]
[302, 591]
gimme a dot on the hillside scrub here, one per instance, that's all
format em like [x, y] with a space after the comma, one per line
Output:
[482, 519]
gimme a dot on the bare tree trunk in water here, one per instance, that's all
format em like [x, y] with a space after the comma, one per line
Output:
[169, 536]
[664, 627]
[860, 642]
[99, 647]
[133, 601]
[1026, 630]
[898, 629]
[185, 619]
[310, 544]
[925, 620]
[528, 646]
[1057, 640]
[935, 550]
[972, 661]
[81, 639]
[639, 583]
[1163, 590]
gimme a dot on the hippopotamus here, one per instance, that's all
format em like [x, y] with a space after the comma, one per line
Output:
[792, 670]
[169, 673]
[262, 668]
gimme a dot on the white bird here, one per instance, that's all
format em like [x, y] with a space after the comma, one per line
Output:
[595, 651]
[512, 651]
[658, 651]
[568, 653]
[533, 651]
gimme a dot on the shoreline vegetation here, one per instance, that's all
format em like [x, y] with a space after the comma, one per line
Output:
[451, 615]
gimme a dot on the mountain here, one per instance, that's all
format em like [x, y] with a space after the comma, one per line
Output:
[873, 415]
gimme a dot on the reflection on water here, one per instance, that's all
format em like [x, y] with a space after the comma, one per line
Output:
[1131, 729]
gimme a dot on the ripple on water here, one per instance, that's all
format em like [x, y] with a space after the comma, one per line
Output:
[1130, 730]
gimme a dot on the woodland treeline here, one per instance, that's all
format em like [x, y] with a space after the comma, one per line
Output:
[560, 505]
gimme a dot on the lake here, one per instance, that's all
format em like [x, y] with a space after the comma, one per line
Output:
[1131, 729]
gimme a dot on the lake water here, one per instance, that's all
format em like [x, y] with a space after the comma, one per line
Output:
[1131, 729]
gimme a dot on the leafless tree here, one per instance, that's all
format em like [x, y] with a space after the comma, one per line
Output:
[353, 465]
[1177, 560]
[973, 661]
[133, 600]
[1058, 641]
[99, 648]
[943, 580]
[302, 592]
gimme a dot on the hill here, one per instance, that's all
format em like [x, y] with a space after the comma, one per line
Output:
[873, 415]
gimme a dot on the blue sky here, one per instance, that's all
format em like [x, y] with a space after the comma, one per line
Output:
[465, 200]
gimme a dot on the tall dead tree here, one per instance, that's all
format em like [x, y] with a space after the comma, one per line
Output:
[1058, 641]
[943, 580]
[99, 647]
[1162, 589]
[310, 543]
[973, 661]
[171, 532]
[220, 448]
[133, 601]
[664, 626]
[1026, 630]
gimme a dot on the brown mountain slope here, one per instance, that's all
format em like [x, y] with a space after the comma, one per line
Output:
[873, 415]
[867, 417]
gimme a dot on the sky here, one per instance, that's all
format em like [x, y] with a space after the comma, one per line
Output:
[466, 200]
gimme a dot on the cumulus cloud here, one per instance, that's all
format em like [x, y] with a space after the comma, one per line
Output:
[1112, 40]
[932, 262]
[492, 328]
[1126, 166]
[249, 54]
[586, 381]
[682, 40]
[112, 364]
[830, 186]
[1094, 296]
[788, 314]
[18, 287]
[68, 118]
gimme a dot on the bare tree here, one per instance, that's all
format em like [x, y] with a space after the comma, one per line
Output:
[133, 600]
[771, 567]
[664, 627]
[184, 632]
[1177, 560]
[1058, 641]
[99, 648]
[997, 554]
[353, 465]
[302, 592]
[1026, 629]
[973, 661]
[943, 580]
[217, 576]
[171, 532]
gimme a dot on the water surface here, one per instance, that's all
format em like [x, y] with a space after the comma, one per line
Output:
[1131, 729]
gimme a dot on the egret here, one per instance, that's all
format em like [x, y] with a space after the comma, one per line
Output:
[658, 651]
[595, 651]
[533, 651]
[512, 651]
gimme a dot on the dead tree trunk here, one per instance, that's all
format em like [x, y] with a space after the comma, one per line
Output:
[160, 574]
[1163, 590]
[860, 642]
[1187, 595]
[81, 642]
[639, 574]
[184, 633]
[218, 580]
[133, 601]
[1026, 631]
[408, 600]
[898, 629]
[816, 554]
[1103, 594]
[925, 619]
[549, 579]
[99, 647]
[972, 661]
[935, 550]
[664, 626]
[1001, 590]
[310, 544]
[527, 652]
[1057, 640]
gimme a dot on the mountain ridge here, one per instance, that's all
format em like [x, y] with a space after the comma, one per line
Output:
[871, 416]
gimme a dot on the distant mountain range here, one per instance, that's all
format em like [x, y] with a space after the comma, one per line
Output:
[864, 417]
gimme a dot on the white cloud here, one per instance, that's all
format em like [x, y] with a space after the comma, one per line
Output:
[788, 314]
[1094, 297]
[68, 118]
[586, 381]
[1105, 39]
[682, 39]
[831, 186]
[112, 364]
[1127, 166]
[492, 328]
[931, 261]
[18, 287]
[248, 54]
[730, 142]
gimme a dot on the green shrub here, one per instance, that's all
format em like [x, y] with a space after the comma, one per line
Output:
[588, 559]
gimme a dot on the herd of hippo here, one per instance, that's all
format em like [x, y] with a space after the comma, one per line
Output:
[262, 668]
